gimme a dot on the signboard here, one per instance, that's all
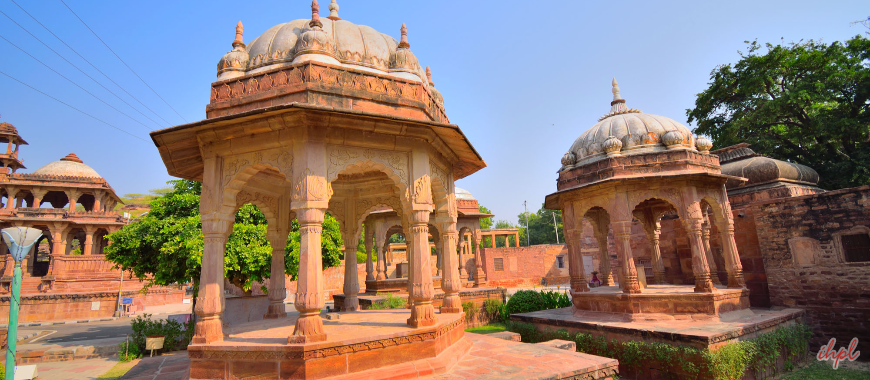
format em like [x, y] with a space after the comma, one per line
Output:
[127, 301]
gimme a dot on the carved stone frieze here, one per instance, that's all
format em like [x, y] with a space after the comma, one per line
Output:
[263, 201]
[340, 157]
[422, 191]
[277, 158]
[310, 187]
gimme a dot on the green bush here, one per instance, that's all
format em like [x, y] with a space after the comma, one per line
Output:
[525, 301]
[470, 310]
[176, 335]
[492, 307]
[128, 351]
[390, 302]
[555, 300]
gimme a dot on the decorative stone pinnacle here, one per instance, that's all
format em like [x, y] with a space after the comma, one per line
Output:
[403, 43]
[315, 15]
[72, 157]
[429, 76]
[617, 106]
[239, 31]
[333, 11]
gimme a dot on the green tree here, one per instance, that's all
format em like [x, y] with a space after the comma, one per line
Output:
[541, 228]
[165, 246]
[504, 224]
[485, 223]
[806, 102]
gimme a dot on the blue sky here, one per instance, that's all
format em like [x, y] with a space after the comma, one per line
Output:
[522, 79]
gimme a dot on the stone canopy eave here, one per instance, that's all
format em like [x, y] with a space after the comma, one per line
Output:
[552, 201]
[179, 145]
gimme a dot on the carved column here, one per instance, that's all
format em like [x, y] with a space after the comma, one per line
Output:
[351, 275]
[600, 226]
[98, 201]
[658, 266]
[451, 282]
[479, 273]
[422, 291]
[703, 284]
[278, 240]
[309, 289]
[38, 194]
[11, 192]
[732, 258]
[463, 274]
[210, 304]
[708, 253]
[622, 233]
[576, 273]
[439, 257]
[368, 244]
[379, 249]
[73, 197]
[88, 245]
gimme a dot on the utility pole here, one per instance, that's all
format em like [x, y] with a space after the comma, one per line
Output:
[556, 227]
[528, 241]
[19, 240]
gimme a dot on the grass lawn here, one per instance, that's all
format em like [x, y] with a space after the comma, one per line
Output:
[118, 370]
[824, 371]
[487, 329]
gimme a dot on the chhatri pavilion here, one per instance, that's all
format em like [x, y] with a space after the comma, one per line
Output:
[323, 115]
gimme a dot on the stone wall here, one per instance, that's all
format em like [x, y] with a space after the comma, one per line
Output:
[526, 266]
[78, 306]
[803, 262]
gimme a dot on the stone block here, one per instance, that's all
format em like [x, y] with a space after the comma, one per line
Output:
[561, 344]
[507, 335]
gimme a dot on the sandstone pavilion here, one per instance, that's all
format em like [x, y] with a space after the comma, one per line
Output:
[322, 115]
[632, 169]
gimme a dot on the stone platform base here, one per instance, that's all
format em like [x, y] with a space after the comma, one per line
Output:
[370, 340]
[662, 302]
[686, 331]
[475, 295]
[395, 285]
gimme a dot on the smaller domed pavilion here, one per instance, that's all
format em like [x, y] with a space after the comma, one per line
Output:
[633, 166]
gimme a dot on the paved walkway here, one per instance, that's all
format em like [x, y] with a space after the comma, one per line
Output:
[174, 366]
[75, 370]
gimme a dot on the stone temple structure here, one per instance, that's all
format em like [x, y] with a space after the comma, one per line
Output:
[66, 276]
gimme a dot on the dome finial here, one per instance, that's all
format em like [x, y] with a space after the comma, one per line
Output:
[404, 41]
[239, 31]
[315, 15]
[429, 76]
[333, 11]
[616, 91]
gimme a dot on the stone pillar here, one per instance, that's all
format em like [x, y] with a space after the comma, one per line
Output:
[422, 291]
[369, 264]
[38, 194]
[701, 271]
[658, 266]
[382, 261]
[576, 273]
[604, 260]
[11, 192]
[439, 258]
[351, 276]
[463, 274]
[73, 197]
[210, 303]
[98, 201]
[19, 201]
[88, 245]
[622, 233]
[479, 273]
[708, 253]
[277, 287]
[732, 258]
[309, 289]
[451, 282]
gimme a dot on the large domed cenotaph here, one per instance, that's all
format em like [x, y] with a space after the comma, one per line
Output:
[313, 116]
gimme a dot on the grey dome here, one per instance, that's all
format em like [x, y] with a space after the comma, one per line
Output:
[70, 166]
[463, 194]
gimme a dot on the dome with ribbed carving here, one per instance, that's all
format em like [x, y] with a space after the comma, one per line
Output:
[463, 194]
[70, 166]
[625, 131]
[332, 40]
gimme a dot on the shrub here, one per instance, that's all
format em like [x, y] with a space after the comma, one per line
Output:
[492, 307]
[390, 302]
[470, 310]
[555, 300]
[525, 301]
[128, 351]
[177, 335]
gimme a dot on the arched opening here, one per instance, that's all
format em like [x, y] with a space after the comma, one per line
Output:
[100, 242]
[41, 257]
[604, 275]
[57, 199]
[87, 202]
[75, 242]
[661, 261]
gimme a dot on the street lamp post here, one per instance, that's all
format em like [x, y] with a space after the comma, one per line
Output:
[19, 240]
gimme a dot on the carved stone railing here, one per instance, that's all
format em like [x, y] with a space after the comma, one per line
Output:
[71, 267]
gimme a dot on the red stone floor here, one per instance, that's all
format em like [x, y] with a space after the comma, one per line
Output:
[173, 366]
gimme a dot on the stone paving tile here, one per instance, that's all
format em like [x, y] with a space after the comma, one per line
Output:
[174, 366]
[75, 370]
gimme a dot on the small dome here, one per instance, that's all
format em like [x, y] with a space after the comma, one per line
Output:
[637, 132]
[463, 194]
[234, 63]
[741, 161]
[70, 166]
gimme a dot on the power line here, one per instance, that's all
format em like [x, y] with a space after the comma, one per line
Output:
[82, 71]
[71, 81]
[61, 102]
[92, 65]
[122, 61]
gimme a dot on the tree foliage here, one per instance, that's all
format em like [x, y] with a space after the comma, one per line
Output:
[806, 102]
[541, 228]
[485, 223]
[165, 246]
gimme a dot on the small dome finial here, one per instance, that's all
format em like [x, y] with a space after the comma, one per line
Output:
[333, 11]
[239, 31]
[404, 41]
[315, 15]
[429, 76]
[616, 91]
